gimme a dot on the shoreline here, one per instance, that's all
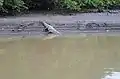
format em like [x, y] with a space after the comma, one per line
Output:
[95, 23]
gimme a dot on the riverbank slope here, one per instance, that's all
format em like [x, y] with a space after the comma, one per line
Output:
[66, 24]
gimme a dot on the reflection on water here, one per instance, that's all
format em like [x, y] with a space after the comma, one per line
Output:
[113, 75]
[60, 58]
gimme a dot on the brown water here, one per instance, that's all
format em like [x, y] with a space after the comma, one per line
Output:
[92, 57]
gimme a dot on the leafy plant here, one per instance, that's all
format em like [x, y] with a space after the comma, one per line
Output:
[19, 5]
[16, 5]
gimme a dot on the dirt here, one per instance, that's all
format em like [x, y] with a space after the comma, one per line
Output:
[29, 24]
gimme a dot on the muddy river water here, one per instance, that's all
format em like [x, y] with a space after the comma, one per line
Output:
[92, 57]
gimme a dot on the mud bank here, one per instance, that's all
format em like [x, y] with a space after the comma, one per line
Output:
[85, 23]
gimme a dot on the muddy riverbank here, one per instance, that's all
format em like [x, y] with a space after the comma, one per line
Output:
[88, 23]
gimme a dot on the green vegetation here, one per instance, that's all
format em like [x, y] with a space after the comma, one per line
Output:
[77, 5]
[89, 4]
[16, 5]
